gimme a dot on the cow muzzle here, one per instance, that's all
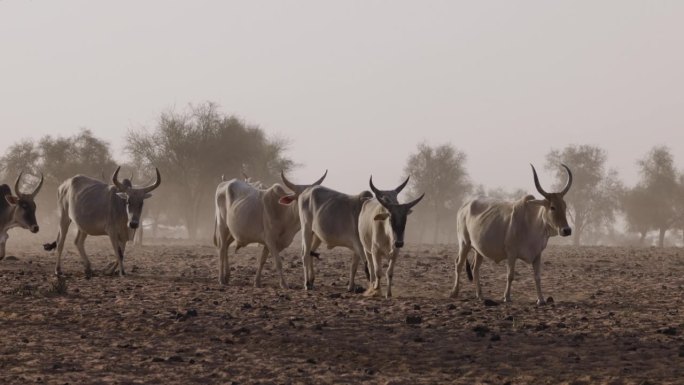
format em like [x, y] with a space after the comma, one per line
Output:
[34, 229]
[399, 244]
[134, 225]
[565, 231]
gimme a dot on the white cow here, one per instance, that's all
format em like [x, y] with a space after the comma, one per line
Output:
[510, 231]
[330, 217]
[99, 209]
[247, 214]
[381, 228]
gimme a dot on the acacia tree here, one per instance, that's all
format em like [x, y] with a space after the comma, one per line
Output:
[594, 197]
[439, 172]
[660, 191]
[58, 158]
[195, 147]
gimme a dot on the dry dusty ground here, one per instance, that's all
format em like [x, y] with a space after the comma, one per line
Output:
[618, 317]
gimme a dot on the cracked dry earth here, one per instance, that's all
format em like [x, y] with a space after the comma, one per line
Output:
[617, 318]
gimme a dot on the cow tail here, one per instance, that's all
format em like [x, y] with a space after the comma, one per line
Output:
[216, 236]
[469, 271]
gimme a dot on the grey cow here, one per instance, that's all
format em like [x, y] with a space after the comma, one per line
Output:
[17, 211]
[510, 231]
[99, 209]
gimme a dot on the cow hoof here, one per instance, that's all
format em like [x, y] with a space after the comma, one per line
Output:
[309, 286]
[388, 295]
[541, 302]
[453, 294]
[88, 273]
[507, 300]
[58, 273]
[257, 285]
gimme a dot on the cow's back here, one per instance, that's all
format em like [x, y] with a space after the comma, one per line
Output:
[483, 223]
[334, 215]
[244, 211]
[89, 203]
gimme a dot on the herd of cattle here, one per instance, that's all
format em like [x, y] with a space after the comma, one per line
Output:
[370, 224]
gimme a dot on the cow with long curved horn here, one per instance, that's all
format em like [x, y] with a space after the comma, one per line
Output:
[100, 209]
[389, 196]
[17, 210]
[382, 223]
[510, 231]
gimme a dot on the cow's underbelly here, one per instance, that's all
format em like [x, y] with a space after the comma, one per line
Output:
[495, 252]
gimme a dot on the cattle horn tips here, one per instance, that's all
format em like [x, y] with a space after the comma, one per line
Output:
[401, 186]
[569, 182]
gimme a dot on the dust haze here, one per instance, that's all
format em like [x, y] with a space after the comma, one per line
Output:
[459, 98]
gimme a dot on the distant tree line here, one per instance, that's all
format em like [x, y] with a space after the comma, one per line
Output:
[195, 147]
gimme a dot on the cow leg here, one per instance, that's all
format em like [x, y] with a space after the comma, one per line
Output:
[536, 265]
[368, 257]
[307, 238]
[510, 273]
[476, 274]
[119, 250]
[3, 242]
[390, 272]
[358, 252]
[80, 245]
[64, 223]
[460, 261]
[279, 266]
[224, 269]
[377, 268]
[261, 262]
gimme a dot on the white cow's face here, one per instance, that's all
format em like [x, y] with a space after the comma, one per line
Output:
[555, 214]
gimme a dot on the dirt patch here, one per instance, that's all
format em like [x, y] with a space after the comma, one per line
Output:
[616, 318]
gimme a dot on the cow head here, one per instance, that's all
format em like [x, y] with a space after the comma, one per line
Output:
[24, 206]
[394, 211]
[553, 204]
[297, 189]
[133, 196]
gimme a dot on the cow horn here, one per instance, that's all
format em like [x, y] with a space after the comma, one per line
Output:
[16, 184]
[414, 202]
[401, 186]
[288, 184]
[40, 184]
[373, 188]
[156, 182]
[115, 180]
[537, 184]
[569, 183]
[318, 182]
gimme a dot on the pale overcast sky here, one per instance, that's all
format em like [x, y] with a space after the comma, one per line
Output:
[355, 85]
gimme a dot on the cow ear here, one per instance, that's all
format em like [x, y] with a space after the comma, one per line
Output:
[148, 195]
[536, 202]
[381, 216]
[11, 199]
[123, 196]
[287, 199]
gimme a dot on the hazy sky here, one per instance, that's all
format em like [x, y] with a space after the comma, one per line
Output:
[355, 85]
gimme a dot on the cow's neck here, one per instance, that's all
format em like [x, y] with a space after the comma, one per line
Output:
[119, 213]
[6, 216]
